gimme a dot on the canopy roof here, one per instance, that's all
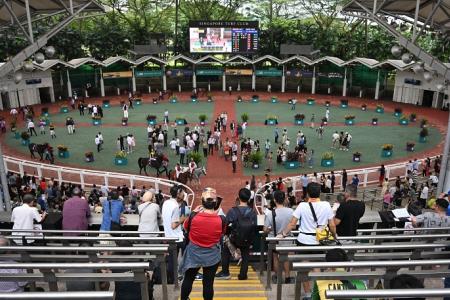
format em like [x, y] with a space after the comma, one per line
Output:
[368, 62]
[39, 7]
[441, 17]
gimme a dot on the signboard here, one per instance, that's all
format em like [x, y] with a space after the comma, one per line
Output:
[33, 81]
[239, 72]
[123, 74]
[269, 73]
[178, 73]
[299, 73]
[209, 72]
[148, 73]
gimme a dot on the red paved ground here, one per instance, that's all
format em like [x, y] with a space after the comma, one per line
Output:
[220, 174]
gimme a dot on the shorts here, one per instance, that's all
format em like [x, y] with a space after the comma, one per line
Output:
[306, 245]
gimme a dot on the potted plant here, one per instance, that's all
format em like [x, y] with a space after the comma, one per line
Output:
[375, 121]
[310, 101]
[356, 156]
[44, 111]
[412, 117]
[255, 99]
[45, 120]
[63, 151]
[327, 103]
[106, 104]
[151, 119]
[194, 99]
[292, 161]
[196, 156]
[202, 118]
[138, 101]
[410, 146]
[271, 120]
[173, 99]
[344, 103]
[398, 112]
[239, 99]
[423, 123]
[120, 158]
[349, 120]
[299, 119]
[274, 99]
[244, 117]
[124, 121]
[364, 107]
[327, 159]
[256, 159]
[89, 156]
[64, 108]
[423, 135]
[387, 150]
[210, 99]
[180, 120]
[403, 120]
[380, 108]
[96, 120]
[324, 121]
[25, 136]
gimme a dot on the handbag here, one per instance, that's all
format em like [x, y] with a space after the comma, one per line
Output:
[323, 234]
[115, 226]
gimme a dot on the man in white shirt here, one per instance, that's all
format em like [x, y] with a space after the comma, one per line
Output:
[25, 216]
[94, 110]
[166, 116]
[424, 195]
[14, 113]
[434, 180]
[129, 143]
[335, 139]
[98, 143]
[173, 145]
[30, 126]
[125, 111]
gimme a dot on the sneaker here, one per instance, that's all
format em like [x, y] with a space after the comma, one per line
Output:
[199, 276]
[242, 277]
[223, 276]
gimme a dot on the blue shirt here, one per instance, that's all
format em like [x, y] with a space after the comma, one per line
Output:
[116, 209]
[245, 210]
[305, 181]
[355, 180]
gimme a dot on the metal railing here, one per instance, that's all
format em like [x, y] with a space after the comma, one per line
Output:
[109, 295]
[387, 293]
[85, 177]
[395, 170]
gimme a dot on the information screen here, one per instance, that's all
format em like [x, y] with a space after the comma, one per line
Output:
[223, 36]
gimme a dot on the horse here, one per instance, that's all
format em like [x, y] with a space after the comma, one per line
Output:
[196, 173]
[39, 148]
[159, 163]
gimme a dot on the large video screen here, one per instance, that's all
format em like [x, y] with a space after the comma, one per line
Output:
[223, 36]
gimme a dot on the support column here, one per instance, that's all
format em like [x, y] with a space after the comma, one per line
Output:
[283, 80]
[118, 91]
[313, 88]
[377, 86]
[164, 78]
[344, 86]
[224, 82]
[102, 84]
[194, 78]
[133, 80]
[69, 84]
[239, 85]
[6, 199]
[253, 80]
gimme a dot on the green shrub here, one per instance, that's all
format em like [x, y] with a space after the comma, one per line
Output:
[244, 117]
[196, 156]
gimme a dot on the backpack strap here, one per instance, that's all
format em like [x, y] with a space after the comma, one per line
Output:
[191, 217]
[313, 213]
[274, 223]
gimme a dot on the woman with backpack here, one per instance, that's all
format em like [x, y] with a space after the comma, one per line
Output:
[203, 228]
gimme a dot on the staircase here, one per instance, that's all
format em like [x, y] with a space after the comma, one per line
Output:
[233, 289]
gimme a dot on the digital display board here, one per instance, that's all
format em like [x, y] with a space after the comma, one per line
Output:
[223, 36]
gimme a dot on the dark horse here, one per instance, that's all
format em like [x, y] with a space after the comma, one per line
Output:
[39, 148]
[159, 163]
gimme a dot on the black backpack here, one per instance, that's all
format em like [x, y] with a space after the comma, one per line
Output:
[243, 229]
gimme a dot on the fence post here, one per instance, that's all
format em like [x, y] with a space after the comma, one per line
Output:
[131, 181]
[21, 169]
[106, 177]
[388, 171]
[39, 170]
[59, 175]
[366, 176]
[82, 179]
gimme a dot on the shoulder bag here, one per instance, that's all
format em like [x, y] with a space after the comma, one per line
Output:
[323, 234]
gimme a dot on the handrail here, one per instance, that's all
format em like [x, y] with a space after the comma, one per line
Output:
[361, 247]
[82, 231]
[369, 264]
[82, 173]
[372, 237]
[297, 179]
[402, 229]
[108, 295]
[386, 293]
[156, 249]
[120, 266]
[95, 238]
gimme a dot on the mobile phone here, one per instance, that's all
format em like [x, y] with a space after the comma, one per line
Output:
[219, 201]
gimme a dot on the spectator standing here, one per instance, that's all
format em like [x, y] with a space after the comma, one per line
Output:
[349, 213]
[31, 129]
[76, 213]
[149, 214]
[344, 179]
[424, 195]
[234, 159]
[26, 216]
[435, 219]
[204, 229]
[112, 211]
[305, 181]
[98, 143]
[70, 124]
[282, 216]
[243, 222]
[382, 171]
[333, 181]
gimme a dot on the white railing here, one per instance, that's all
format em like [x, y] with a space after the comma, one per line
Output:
[88, 178]
[392, 171]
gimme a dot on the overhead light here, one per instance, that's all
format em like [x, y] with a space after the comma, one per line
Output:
[396, 50]
[407, 58]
